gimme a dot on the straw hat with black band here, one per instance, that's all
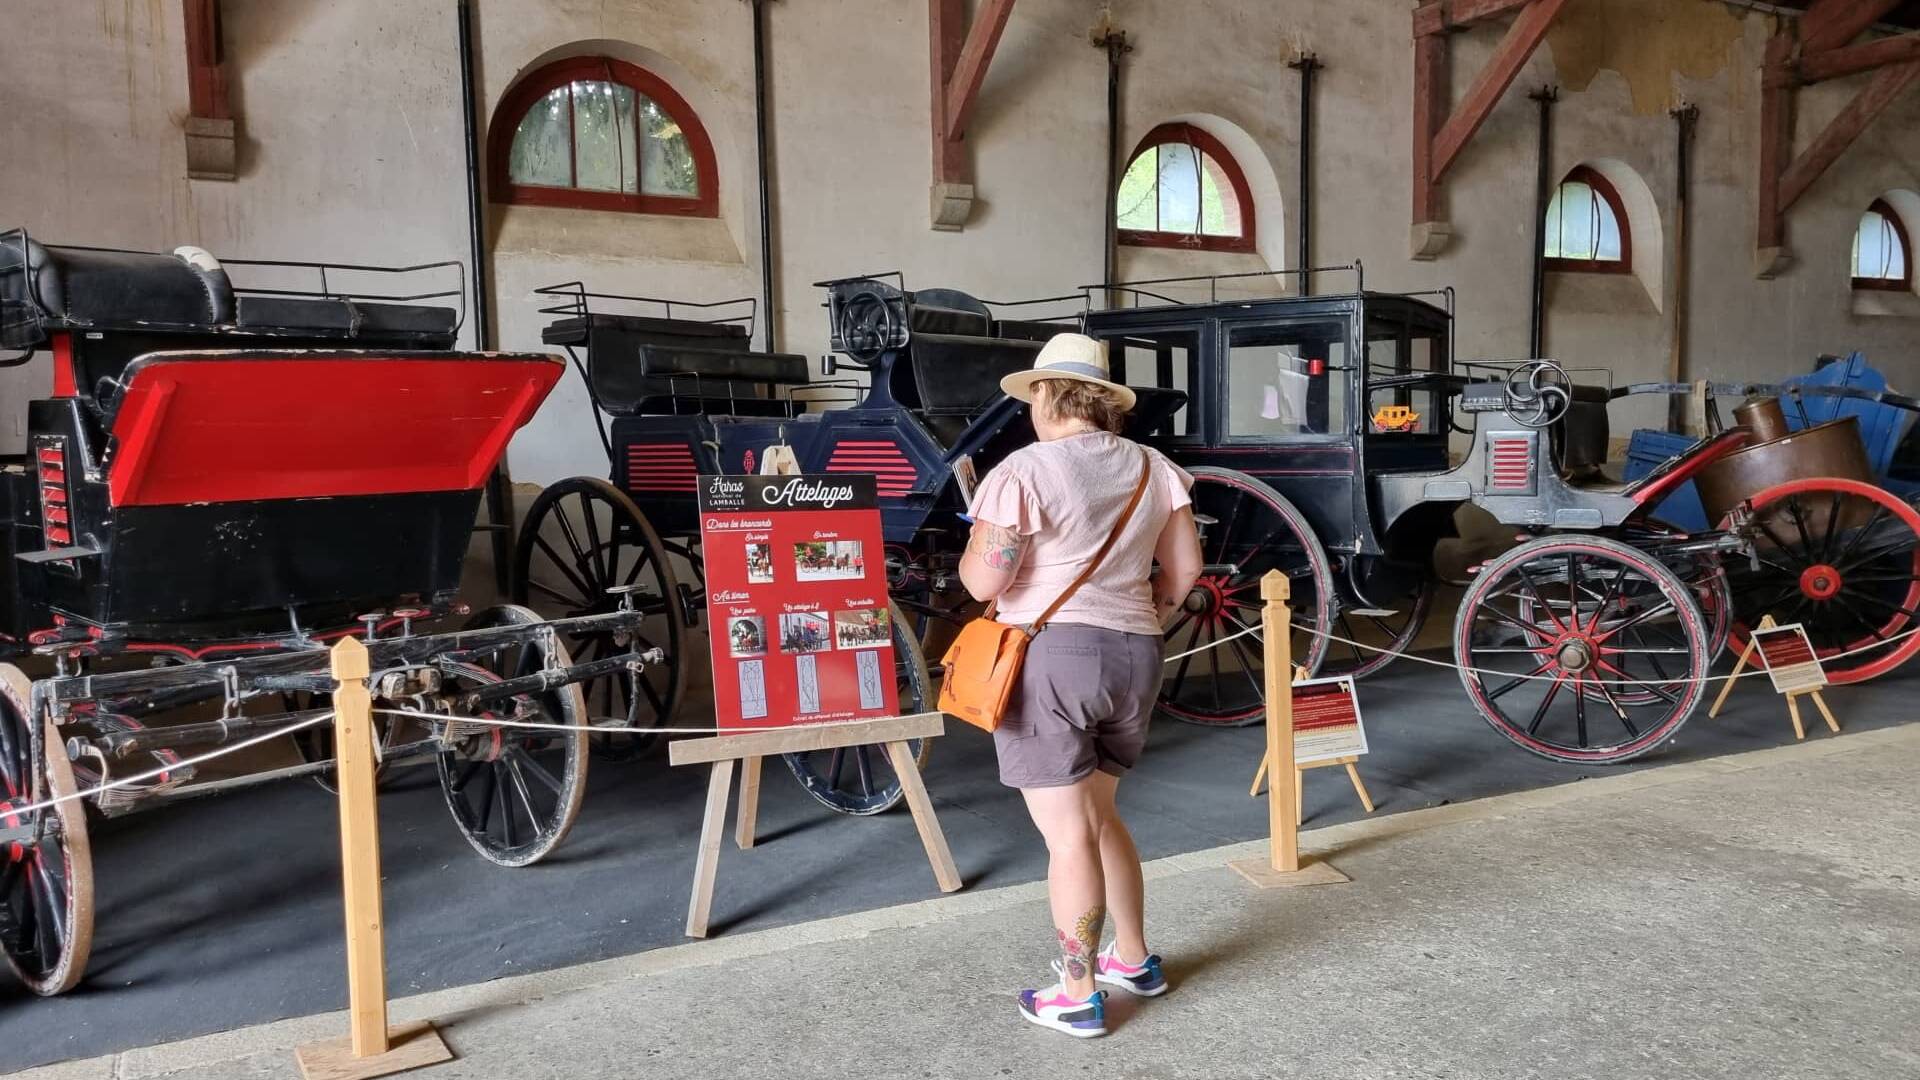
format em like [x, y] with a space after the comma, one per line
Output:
[1068, 356]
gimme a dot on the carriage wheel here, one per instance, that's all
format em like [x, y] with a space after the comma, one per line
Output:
[1841, 558]
[1581, 649]
[46, 886]
[1246, 529]
[859, 780]
[583, 536]
[1708, 582]
[515, 792]
[1382, 633]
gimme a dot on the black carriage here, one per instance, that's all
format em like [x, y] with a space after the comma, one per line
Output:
[238, 464]
[681, 393]
[1321, 432]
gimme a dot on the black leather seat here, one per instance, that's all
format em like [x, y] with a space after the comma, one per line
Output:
[47, 288]
[643, 365]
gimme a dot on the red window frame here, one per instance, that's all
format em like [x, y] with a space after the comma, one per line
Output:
[1903, 283]
[528, 92]
[1593, 178]
[1200, 140]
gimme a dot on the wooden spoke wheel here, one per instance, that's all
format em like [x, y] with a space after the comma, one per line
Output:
[1375, 635]
[1581, 649]
[860, 780]
[515, 792]
[46, 884]
[583, 536]
[1246, 529]
[1842, 558]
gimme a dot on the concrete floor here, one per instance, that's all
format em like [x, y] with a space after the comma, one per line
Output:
[1749, 915]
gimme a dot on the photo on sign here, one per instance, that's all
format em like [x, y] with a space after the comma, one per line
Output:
[747, 635]
[760, 564]
[804, 632]
[829, 560]
[862, 628]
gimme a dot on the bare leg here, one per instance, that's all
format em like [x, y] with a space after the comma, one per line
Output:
[1120, 869]
[1068, 819]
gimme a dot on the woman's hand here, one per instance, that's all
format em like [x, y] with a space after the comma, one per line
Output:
[992, 557]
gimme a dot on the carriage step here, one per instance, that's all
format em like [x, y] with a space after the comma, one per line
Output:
[1373, 612]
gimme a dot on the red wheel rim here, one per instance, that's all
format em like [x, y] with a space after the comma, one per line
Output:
[1834, 575]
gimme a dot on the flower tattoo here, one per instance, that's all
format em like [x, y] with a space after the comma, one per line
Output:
[1078, 949]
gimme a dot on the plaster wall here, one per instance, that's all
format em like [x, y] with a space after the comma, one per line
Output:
[351, 150]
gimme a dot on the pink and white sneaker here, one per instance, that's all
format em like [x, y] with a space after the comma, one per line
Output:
[1142, 980]
[1053, 1008]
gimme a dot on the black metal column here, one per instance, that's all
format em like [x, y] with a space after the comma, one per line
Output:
[1684, 118]
[1543, 195]
[1306, 66]
[762, 151]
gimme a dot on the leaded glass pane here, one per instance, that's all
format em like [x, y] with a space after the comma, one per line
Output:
[542, 150]
[666, 160]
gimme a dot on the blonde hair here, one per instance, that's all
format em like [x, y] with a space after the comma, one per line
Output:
[1076, 399]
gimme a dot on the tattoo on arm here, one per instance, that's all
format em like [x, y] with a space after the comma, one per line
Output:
[1078, 949]
[998, 547]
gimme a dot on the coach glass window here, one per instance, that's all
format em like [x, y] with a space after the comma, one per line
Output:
[1166, 360]
[1287, 380]
[1396, 347]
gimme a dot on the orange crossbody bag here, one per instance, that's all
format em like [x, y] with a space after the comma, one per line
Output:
[983, 663]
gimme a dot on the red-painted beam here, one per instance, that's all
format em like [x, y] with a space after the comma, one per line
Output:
[1829, 24]
[1436, 16]
[1429, 112]
[1522, 38]
[206, 62]
[1818, 67]
[963, 85]
[947, 30]
[1820, 154]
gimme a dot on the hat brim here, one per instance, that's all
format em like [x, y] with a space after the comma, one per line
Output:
[1019, 385]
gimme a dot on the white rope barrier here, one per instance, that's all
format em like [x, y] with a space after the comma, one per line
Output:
[153, 774]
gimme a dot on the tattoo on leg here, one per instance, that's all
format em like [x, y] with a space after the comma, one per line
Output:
[1078, 949]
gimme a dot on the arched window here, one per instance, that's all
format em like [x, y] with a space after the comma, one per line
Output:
[601, 134]
[1882, 258]
[1586, 227]
[1182, 189]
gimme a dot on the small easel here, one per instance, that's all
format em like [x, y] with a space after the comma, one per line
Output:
[1792, 691]
[373, 1048]
[749, 747]
[1299, 787]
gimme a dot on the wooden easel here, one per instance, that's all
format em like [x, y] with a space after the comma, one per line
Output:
[1299, 787]
[1792, 696]
[1283, 867]
[372, 1048]
[749, 747]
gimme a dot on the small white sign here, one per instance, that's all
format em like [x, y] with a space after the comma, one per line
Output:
[1326, 721]
[1790, 660]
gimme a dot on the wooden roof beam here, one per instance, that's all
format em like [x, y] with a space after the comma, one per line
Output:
[1853, 59]
[1829, 24]
[1436, 16]
[958, 58]
[1870, 102]
[963, 88]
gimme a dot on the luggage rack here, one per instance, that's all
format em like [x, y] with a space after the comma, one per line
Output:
[576, 301]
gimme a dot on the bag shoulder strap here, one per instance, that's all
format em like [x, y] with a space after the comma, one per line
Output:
[1126, 514]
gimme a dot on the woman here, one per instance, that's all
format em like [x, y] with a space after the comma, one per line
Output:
[1078, 718]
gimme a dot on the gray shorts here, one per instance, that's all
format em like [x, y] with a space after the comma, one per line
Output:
[1083, 703]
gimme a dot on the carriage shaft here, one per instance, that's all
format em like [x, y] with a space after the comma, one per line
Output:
[120, 745]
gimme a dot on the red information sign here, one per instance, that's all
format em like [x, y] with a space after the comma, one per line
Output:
[796, 600]
[1790, 660]
[1326, 721]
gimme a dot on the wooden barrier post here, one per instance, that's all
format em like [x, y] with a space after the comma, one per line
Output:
[1283, 866]
[372, 1049]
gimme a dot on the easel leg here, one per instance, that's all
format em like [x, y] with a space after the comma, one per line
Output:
[1793, 710]
[931, 837]
[1259, 778]
[1359, 788]
[700, 905]
[1727, 687]
[749, 814]
[1299, 796]
[1821, 704]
